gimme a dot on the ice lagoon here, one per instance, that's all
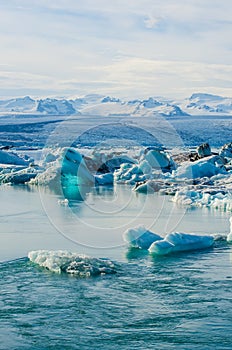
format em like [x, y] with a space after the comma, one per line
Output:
[175, 301]
[180, 301]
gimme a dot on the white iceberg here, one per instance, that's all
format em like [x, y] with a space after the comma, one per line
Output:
[159, 159]
[229, 237]
[206, 167]
[13, 158]
[19, 177]
[66, 262]
[140, 237]
[197, 198]
[226, 151]
[149, 186]
[133, 173]
[180, 242]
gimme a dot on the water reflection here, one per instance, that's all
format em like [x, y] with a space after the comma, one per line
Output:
[136, 254]
[72, 190]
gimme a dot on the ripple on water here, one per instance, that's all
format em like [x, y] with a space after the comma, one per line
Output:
[183, 300]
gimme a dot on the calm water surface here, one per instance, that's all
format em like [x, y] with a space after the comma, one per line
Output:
[182, 301]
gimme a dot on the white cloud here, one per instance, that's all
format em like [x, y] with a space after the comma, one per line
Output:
[152, 21]
[132, 48]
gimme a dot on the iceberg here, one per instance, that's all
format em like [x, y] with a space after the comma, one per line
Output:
[198, 198]
[129, 174]
[71, 263]
[226, 151]
[229, 237]
[18, 177]
[104, 179]
[74, 164]
[180, 242]
[205, 167]
[158, 159]
[13, 158]
[140, 237]
[149, 186]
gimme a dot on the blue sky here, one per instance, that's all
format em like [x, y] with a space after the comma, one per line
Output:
[129, 49]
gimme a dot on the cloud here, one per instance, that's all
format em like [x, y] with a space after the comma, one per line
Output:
[134, 47]
[152, 22]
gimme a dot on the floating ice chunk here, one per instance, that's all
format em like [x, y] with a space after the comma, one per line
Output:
[49, 177]
[196, 198]
[226, 151]
[150, 186]
[140, 237]
[132, 173]
[19, 177]
[74, 164]
[13, 158]
[206, 167]
[71, 263]
[161, 247]
[179, 242]
[159, 159]
[144, 188]
[145, 167]
[229, 237]
[104, 179]
[63, 202]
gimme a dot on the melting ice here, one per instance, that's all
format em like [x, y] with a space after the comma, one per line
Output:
[72, 263]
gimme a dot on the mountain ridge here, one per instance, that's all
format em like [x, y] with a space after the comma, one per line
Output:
[94, 104]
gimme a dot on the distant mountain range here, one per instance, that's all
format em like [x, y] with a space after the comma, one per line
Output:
[197, 104]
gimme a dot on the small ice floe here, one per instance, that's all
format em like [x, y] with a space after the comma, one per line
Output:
[141, 238]
[71, 263]
[149, 186]
[63, 202]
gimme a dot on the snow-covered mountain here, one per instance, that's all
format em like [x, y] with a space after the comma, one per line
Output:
[55, 107]
[109, 106]
[18, 105]
[200, 103]
[94, 104]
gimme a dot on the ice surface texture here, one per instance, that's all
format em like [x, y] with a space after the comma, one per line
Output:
[229, 237]
[180, 242]
[72, 263]
[140, 237]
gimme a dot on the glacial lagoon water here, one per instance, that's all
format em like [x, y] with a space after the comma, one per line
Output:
[181, 301]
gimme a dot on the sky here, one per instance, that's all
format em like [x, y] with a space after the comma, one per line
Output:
[126, 49]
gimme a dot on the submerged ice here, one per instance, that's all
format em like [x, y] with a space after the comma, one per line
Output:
[72, 263]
